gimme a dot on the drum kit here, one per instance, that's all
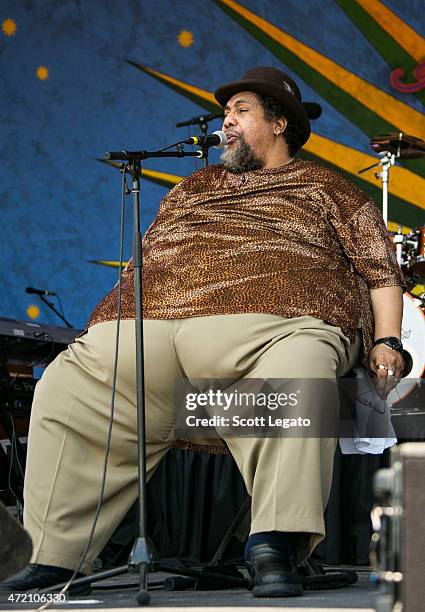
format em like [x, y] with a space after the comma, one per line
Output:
[410, 253]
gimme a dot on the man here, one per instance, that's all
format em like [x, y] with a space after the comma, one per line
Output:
[263, 267]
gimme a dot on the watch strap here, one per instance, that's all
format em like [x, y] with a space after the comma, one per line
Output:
[392, 342]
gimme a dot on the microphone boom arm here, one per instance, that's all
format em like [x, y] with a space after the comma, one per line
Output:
[55, 310]
[140, 155]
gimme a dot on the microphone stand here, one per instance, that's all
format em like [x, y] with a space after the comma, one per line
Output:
[142, 555]
[202, 121]
[55, 310]
[203, 124]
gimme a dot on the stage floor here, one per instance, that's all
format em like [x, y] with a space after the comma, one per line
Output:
[120, 592]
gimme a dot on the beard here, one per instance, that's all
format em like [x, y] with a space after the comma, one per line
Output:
[242, 159]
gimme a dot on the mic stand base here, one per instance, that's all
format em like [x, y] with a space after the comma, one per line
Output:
[141, 559]
[143, 597]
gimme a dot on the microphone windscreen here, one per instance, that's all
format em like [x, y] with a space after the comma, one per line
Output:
[222, 139]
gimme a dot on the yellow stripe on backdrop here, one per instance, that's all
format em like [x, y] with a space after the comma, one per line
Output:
[403, 34]
[205, 95]
[162, 176]
[393, 227]
[384, 105]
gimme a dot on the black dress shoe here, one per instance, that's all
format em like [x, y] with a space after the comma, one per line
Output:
[273, 570]
[35, 577]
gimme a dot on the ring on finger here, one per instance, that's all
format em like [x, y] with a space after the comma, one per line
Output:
[390, 373]
[381, 366]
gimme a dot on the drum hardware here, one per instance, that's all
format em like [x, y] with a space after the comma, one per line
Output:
[401, 145]
[402, 248]
[399, 240]
[389, 147]
[417, 241]
[410, 252]
[387, 159]
[409, 248]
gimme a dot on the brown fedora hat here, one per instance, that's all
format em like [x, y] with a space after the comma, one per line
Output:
[271, 82]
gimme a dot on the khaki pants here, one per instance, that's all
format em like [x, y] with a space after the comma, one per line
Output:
[289, 479]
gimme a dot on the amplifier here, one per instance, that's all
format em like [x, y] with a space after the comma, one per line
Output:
[398, 519]
[16, 394]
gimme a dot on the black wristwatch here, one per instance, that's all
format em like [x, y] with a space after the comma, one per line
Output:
[392, 342]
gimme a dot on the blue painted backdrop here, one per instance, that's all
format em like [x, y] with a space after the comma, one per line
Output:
[59, 206]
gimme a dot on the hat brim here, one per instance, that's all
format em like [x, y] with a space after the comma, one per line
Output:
[287, 99]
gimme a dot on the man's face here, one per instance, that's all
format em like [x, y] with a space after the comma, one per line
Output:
[249, 134]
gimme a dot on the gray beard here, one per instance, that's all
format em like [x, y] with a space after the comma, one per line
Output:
[242, 159]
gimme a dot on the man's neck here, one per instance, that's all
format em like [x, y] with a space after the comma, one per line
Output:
[276, 163]
[277, 157]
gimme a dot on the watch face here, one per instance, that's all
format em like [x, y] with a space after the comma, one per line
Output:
[394, 344]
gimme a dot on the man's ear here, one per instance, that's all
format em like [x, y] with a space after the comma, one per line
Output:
[280, 125]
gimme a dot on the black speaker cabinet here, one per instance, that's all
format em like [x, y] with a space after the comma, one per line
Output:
[399, 523]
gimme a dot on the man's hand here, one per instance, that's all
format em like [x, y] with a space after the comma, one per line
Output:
[388, 366]
[387, 305]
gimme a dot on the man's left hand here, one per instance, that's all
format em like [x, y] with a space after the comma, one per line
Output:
[388, 366]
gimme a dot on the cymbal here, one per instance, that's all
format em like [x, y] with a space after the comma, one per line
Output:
[399, 143]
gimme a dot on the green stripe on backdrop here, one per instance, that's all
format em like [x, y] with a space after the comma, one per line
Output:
[365, 119]
[386, 45]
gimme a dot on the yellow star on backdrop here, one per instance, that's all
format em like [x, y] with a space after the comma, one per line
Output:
[8, 27]
[185, 38]
[42, 73]
[33, 311]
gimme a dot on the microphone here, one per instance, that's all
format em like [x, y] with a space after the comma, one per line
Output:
[39, 291]
[312, 109]
[217, 139]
